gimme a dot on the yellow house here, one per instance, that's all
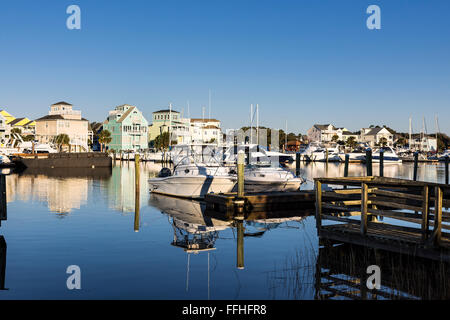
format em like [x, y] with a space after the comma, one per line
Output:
[8, 117]
[25, 125]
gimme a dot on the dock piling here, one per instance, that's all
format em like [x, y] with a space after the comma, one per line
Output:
[416, 165]
[381, 163]
[347, 160]
[369, 162]
[446, 169]
[297, 164]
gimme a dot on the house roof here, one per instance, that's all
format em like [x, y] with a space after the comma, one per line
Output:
[204, 120]
[58, 117]
[323, 126]
[165, 111]
[375, 131]
[17, 120]
[123, 117]
[61, 103]
[211, 127]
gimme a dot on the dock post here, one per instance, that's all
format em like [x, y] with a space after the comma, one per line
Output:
[240, 173]
[381, 163]
[446, 169]
[297, 164]
[437, 231]
[114, 156]
[425, 223]
[137, 192]
[416, 164]
[326, 155]
[240, 245]
[364, 201]
[369, 162]
[318, 188]
[347, 160]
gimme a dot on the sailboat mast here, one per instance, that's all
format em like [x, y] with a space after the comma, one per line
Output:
[251, 123]
[410, 132]
[170, 124]
[257, 124]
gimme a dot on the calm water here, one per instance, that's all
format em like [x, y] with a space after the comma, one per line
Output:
[88, 219]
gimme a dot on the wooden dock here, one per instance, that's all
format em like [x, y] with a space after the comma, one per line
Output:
[385, 213]
[278, 203]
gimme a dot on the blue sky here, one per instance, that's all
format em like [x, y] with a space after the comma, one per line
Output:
[302, 61]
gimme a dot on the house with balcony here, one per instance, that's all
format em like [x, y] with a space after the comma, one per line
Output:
[128, 128]
[169, 119]
[62, 119]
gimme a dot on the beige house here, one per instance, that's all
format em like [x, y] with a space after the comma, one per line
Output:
[62, 119]
[372, 136]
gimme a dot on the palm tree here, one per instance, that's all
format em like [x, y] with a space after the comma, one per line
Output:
[351, 142]
[383, 142]
[104, 138]
[62, 140]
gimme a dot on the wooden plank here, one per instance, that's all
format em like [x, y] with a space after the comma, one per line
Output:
[437, 232]
[425, 222]
[411, 217]
[396, 194]
[336, 207]
[340, 219]
[364, 200]
[318, 188]
[395, 205]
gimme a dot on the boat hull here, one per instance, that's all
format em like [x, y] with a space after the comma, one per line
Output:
[261, 185]
[191, 187]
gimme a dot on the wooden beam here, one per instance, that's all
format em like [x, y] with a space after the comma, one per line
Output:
[364, 204]
[425, 221]
[318, 188]
[437, 231]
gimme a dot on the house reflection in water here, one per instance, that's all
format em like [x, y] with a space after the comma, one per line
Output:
[61, 189]
[120, 188]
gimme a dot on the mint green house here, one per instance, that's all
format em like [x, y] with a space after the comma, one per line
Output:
[128, 127]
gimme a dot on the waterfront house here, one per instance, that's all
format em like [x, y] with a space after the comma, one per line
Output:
[324, 133]
[423, 143]
[205, 131]
[128, 128]
[4, 131]
[25, 125]
[164, 119]
[372, 136]
[62, 119]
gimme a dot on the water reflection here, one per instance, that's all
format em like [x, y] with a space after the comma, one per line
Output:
[2, 263]
[341, 273]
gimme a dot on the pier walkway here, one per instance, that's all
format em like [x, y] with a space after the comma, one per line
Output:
[385, 213]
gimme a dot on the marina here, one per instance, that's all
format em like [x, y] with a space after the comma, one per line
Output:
[261, 246]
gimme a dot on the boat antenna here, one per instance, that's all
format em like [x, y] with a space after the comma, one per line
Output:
[251, 123]
[209, 100]
[257, 124]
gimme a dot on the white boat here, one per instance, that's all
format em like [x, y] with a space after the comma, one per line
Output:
[193, 181]
[389, 156]
[266, 178]
[320, 155]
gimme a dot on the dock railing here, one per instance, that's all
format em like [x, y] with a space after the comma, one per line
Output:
[420, 204]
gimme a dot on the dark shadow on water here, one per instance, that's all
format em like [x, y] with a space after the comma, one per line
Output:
[97, 173]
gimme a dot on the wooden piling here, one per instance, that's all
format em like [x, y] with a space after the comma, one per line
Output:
[297, 164]
[240, 173]
[347, 160]
[425, 206]
[416, 165]
[137, 192]
[381, 163]
[437, 232]
[364, 207]
[326, 155]
[369, 162]
[446, 169]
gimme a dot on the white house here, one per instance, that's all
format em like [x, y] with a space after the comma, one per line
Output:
[372, 136]
[205, 130]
